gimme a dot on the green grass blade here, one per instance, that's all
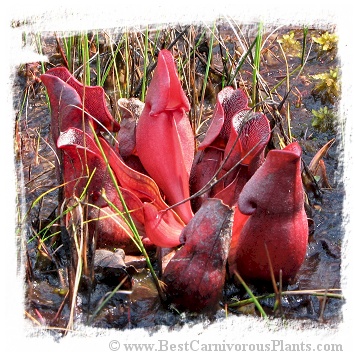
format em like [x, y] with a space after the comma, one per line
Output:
[256, 66]
[130, 221]
[253, 298]
[241, 62]
[304, 43]
[208, 64]
[287, 78]
[98, 61]
[128, 72]
[145, 65]
[327, 293]
[69, 48]
[85, 58]
[111, 63]
[106, 300]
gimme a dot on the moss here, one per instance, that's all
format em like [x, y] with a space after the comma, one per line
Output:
[323, 119]
[290, 45]
[328, 86]
[327, 41]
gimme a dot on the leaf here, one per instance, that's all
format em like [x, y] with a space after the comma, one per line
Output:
[194, 277]
[163, 228]
[229, 102]
[93, 97]
[130, 110]
[314, 164]
[165, 141]
[66, 106]
[141, 185]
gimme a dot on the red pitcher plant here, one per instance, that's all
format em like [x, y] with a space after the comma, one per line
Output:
[230, 205]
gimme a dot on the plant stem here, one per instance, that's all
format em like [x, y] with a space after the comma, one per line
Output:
[253, 298]
[318, 292]
[98, 61]
[257, 64]
[130, 221]
[288, 114]
[304, 43]
[205, 80]
[106, 300]
[144, 82]
[85, 57]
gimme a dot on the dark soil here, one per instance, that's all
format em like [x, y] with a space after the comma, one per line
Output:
[46, 298]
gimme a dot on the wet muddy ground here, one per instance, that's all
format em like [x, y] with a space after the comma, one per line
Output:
[140, 306]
